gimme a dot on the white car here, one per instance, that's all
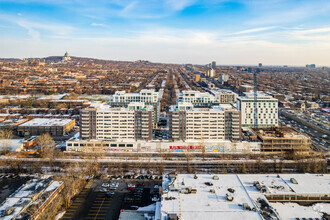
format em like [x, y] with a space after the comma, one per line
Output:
[155, 199]
[105, 185]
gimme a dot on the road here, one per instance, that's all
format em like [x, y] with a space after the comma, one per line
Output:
[318, 141]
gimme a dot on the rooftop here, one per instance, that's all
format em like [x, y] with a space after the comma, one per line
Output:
[211, 198]
[46, 122]
[187, 106]
[260, 95]
[278, 132]
[35, 190]
[205, 204]
[222, 91]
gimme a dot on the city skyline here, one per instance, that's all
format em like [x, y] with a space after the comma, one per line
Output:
[229, 32]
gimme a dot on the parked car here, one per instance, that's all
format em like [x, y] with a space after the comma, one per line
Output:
[155, 199]
[105, 184]
[110, 194]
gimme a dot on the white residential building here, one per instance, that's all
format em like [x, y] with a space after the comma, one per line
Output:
[197, 98]
[224, 96]
[217, 123]
[102, 122]
[146, 96]
[267, 109]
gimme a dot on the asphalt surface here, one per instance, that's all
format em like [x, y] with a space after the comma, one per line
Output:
[93, 204]
[318, 141]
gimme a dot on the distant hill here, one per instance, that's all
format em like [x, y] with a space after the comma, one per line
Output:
[53, 59]
[10, 60]
[57, 59]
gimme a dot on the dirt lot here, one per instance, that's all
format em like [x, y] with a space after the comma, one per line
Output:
[92, 203]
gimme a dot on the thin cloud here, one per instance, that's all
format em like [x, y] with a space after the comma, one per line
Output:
[253, 30]
[178, 5]
[36, 29]
[97, 25]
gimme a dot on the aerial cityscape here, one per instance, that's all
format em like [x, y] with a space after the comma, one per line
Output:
[165, 110]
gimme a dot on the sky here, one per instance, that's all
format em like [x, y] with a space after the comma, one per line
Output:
[272, 32]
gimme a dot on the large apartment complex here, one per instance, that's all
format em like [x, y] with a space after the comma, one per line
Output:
[102, 122]
[146, 96]
[216, 123]
[267, 110]
[197, 98]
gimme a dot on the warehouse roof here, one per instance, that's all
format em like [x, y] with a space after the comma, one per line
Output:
[46, 122]
[211, 198]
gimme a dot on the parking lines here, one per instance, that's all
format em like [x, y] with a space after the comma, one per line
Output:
[78, 202]
[99, 209]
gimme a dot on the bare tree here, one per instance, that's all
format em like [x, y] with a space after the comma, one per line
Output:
[46, 143]
[47, 147]
[5, 136]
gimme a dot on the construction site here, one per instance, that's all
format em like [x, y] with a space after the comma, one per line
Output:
[281, 141]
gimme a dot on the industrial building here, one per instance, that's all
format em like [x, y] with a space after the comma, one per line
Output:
[31, 199]
[244, 196]
[267, 110]
[217, 123]
[282, 140]
[197, 98]
[146, 96]
[224, 96]
[38, 126]
[101, 122]
[208, 146]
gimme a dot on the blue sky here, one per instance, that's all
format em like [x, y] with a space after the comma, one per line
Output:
[274, 32]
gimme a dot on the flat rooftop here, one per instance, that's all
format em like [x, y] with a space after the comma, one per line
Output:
[278, 132]
[222, 91]
[11, 122]
[205, 204]
[36, 122]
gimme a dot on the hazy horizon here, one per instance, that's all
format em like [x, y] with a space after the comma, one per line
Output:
[275, 32]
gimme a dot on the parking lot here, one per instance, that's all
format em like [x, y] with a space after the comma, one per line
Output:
[104, 198]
